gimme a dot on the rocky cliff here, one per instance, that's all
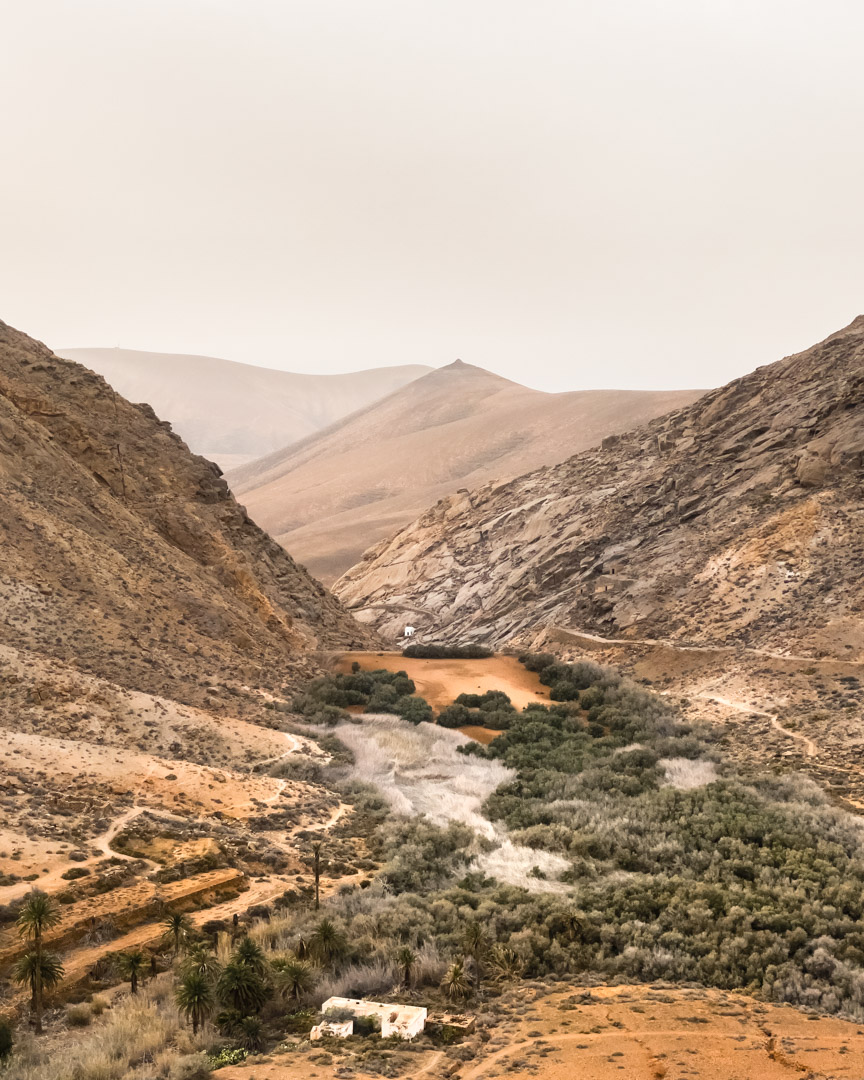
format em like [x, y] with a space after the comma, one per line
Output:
[738, 519]
[126, 556]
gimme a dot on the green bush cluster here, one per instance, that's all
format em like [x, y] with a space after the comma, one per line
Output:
[492, 710]
[438, 651]
[326, 699]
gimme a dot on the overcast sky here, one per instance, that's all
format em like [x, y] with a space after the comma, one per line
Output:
[573, 193]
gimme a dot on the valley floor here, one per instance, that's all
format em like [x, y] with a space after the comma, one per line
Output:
[615, 1033]
[440, 682]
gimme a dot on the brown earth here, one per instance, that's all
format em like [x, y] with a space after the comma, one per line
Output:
[615, 1033]
[440, 682]
[331, 496]
[233, 413]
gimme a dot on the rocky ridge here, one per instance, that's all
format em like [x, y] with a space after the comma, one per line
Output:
[328, 497]
[736, 520]
[126, 556]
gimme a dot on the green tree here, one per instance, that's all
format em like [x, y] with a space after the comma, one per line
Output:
[133, 964]
[177, 928]
[249, 1032]
[293, 977]
[240, 988]
[195, 998]
[475, 944]
[327, 943]
[456, 985]
[38, 914]
[38, 971]
[505, 963]
[249, 952]
[200, 958]
[406, 960]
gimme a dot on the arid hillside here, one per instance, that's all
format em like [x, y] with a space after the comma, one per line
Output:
[331, 496]
[147, 627]
[738, 520]
[232, 413]
[126, 555]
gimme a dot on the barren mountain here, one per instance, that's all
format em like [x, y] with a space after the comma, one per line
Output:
[146, 624]
[233, 412]
[125, 552]
[738, 520]
[331, 496]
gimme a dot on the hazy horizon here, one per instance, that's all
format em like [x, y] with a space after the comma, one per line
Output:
[622, 195]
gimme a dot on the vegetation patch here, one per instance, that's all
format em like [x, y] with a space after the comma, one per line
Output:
[327, 699]
[434, 651]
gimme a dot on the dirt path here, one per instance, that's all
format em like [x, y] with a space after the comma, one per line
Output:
[810, 747]
[729, 650]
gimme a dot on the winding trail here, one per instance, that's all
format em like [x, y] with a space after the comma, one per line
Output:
[725, 649]
[810, 748]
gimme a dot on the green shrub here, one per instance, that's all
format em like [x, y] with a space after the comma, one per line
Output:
[436, 651]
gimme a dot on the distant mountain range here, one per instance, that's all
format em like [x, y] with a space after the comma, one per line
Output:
[232, 413]
[330, 496]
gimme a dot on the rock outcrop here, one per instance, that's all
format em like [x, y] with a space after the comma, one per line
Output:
[739, 519]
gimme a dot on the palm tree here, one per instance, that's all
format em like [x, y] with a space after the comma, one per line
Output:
[195, 998]
[241, 988]
[177, 928]
[38, 971]
[327, 943]
[316, 867]
[505, 962]
[406, 959]
[200, 958]
[456, 984]
[250, 954]
[475, 945]
[132, 966]
[38, 914]
[249, 1032]
[293, 977]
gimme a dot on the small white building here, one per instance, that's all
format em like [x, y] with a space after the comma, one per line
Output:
[410, 631]
[404, 1021]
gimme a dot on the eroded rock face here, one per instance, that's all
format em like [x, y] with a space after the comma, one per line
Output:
[737, 519]
[123, 553]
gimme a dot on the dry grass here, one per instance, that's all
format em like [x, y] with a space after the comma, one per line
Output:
[143, 1037]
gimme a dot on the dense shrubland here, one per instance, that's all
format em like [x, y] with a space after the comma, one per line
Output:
[676, 869]
[726, 882]
[326, 699]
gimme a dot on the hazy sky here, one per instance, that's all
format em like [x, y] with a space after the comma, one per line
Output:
[573, 193]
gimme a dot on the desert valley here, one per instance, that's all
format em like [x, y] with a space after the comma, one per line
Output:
[562, 760]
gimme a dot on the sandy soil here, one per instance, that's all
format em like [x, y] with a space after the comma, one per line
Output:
[625, 1033]
[441, 681]
[483, 735]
